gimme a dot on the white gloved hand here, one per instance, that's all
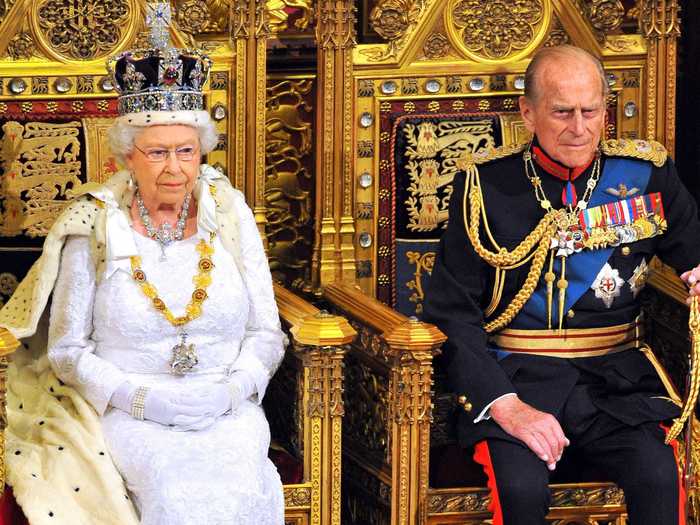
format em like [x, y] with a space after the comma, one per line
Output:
[209, 402]
[161, 406]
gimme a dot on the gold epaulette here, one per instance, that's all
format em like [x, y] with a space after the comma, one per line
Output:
[649, 150]
[8, 342]
[488, 154]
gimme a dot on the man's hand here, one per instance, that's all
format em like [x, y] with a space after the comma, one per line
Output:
[692, 279]
[540, 431]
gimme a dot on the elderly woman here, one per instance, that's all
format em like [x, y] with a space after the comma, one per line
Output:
[163, 316]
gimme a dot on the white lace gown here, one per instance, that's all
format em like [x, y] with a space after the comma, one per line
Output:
[104, 331]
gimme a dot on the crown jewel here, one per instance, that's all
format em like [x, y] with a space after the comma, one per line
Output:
[160, 78]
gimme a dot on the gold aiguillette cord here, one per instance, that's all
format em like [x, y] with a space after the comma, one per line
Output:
[562, 284]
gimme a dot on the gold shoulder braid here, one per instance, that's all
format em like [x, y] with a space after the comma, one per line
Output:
[551, 233]
[534, 247]
[649, 150]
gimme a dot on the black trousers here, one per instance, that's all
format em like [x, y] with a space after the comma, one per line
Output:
[635, 458]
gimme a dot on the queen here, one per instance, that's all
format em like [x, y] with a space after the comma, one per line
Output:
[163, 319]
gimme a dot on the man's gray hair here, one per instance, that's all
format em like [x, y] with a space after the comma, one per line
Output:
[121, 136]
[563, 52]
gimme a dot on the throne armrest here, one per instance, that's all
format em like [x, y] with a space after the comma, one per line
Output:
[389, 410]
[305, 405]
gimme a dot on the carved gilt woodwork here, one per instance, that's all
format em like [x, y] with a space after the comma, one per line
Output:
[289, 185]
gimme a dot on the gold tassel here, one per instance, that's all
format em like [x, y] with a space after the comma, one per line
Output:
[549, 279]
[562, 284]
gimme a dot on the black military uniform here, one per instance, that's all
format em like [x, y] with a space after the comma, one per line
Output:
[609, 406]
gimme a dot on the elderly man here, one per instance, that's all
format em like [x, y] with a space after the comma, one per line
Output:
[536, 286]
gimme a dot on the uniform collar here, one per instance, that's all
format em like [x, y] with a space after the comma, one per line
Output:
[553, 167]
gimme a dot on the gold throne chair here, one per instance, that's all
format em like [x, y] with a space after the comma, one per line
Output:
[56, 103]
[443, 82]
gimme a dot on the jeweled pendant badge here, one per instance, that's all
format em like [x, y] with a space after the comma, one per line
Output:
[184, 357]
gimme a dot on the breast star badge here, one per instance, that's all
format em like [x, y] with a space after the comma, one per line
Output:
[639, 277]
[607, 285]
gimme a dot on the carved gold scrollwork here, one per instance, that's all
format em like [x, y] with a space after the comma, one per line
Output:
[41, 169]
[424, 264]
[288, 184]
[83, 29]
[580, 497]
[498, 30]
[366, 419]
[473, 502]
[297, 497]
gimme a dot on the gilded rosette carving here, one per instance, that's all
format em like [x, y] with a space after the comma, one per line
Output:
[436, 46]
[390, 19]
[606, 15]
[82, 29]
[394, 20]
[203, 16]
[21, 46]
[499, 30]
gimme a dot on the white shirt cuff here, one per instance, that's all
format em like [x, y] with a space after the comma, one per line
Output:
[484, 414]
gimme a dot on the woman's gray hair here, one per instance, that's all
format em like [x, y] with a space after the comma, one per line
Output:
[121, 136]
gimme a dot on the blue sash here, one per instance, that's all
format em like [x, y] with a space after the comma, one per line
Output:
[584, 266]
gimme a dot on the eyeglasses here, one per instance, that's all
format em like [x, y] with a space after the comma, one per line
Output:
[183, 153]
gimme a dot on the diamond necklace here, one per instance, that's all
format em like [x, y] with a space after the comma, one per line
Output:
[165, 235]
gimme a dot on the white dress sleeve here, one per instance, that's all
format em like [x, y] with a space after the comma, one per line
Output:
[70, 347]
[262, 347]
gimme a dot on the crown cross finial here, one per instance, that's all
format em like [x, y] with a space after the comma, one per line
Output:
[158, 19]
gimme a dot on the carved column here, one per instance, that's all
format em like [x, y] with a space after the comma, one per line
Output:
[334, 254]
[323, 399]
[249, 31]
[413, 345]
[659, 21]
